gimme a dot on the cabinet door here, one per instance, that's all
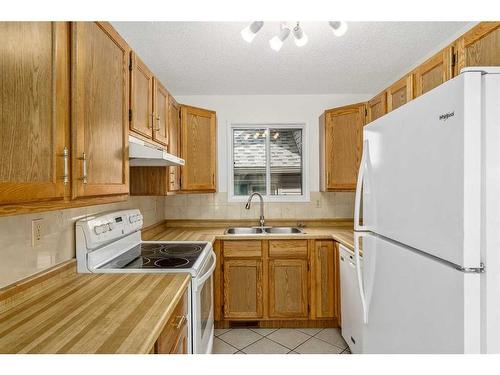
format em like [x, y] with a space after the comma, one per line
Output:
[242, 289]
[174, 134]
[288, 288]
[181, 346]
[433, 72]
[34, 110]
[376, 107]
[141, 98]
[400, 93]
[480, 46]
[100, 110]
[343, 146]
[161, 102]
[324, 279]
[198, 149]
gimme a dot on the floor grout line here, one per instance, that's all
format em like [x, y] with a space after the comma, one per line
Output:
[284, 346]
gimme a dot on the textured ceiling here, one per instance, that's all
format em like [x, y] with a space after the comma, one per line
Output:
[195, 58]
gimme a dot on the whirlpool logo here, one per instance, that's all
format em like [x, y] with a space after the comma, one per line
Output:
[446, 116]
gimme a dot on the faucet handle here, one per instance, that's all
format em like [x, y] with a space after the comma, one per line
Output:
[301, 224]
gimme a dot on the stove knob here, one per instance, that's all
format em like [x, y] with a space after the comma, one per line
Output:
[98, 229]
[132, 219]
[111, 225]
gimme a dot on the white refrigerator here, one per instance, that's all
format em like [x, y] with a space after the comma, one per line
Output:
[429, 195]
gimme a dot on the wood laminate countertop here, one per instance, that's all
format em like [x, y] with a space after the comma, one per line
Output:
[92, 313]
[344, 235]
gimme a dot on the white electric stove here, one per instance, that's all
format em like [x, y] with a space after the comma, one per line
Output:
[111, 243]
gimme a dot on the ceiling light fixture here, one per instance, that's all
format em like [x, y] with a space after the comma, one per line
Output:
[277, 41]
[249, 32]
[338, 27]
[299, 36]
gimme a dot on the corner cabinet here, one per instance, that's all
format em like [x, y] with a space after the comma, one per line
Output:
[34, 111]
[341, 142]
[198, 149]
[100, 107]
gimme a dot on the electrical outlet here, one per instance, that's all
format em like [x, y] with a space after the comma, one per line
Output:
[318, 203]
[36, 232]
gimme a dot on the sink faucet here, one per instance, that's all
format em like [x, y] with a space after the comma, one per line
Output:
[249, 201]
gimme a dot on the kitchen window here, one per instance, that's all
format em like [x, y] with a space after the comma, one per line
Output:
[268, 159]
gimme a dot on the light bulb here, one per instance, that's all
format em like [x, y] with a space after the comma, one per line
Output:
[338, 27]
[249, 32]
[299, 36]
[276, 42]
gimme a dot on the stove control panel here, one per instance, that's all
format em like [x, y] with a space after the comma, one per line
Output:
[110, 226]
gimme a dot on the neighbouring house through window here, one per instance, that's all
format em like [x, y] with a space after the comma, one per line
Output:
[268, 160]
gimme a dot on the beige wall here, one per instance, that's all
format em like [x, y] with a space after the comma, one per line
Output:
[216, 206]
[18, 259]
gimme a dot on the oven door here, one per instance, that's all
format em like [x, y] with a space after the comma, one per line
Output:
[203, 308]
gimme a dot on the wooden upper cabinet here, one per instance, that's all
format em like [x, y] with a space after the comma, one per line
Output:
[324, 275]
[376, 107]
[100, 105]
[141, 97]
[174, 135]
[198, 149]
[243, 298]
[400, 93]
[34, 110]
[341, 142]
[288, 288]
[479, 47]
[161, 115]
[433, 72]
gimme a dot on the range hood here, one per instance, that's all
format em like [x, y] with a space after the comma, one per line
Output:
[143, 154]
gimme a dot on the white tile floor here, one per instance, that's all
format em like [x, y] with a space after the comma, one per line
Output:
[279, 341]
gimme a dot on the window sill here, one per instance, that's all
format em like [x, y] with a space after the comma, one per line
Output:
[268, 199]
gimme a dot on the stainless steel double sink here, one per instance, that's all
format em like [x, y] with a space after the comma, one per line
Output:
[263, 230]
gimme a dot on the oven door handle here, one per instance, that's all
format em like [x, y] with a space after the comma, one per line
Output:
[199, 281]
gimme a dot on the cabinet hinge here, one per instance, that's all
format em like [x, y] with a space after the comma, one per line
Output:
[129, 115]
[453, 59]
[130, 63]
[366, 112]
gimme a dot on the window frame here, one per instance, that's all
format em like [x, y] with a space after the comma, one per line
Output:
[304, 197]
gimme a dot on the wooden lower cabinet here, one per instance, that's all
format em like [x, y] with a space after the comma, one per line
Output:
[292, 280]
[325, 280]
[174, 337]
[288, 288]
[243, 288]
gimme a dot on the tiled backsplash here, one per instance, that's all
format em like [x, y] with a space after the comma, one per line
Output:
[18, 259]
[216, 206]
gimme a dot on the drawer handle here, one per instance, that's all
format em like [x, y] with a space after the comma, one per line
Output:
[180, 321]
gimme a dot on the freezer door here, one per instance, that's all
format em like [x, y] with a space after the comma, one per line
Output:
[416, 303]
[422, 174]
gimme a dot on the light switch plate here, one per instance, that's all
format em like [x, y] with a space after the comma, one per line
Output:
[36, 232]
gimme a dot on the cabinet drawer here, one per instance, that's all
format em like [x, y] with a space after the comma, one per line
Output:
[174, 328]
[242, 249]
[288, 248]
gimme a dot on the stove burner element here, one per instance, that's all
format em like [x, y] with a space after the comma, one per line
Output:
[171, 262]
[181, 249]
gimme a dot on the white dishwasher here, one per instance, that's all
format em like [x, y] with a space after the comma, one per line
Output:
[350, 300]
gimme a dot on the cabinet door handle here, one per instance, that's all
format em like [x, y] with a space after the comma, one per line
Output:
[84, 168]
[180, 321]
[65, 156]
[158, 122]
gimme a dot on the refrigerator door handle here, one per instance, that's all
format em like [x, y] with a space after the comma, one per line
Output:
[357, 236]
[359, 186]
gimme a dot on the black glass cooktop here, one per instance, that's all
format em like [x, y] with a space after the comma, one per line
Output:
[158, 255]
